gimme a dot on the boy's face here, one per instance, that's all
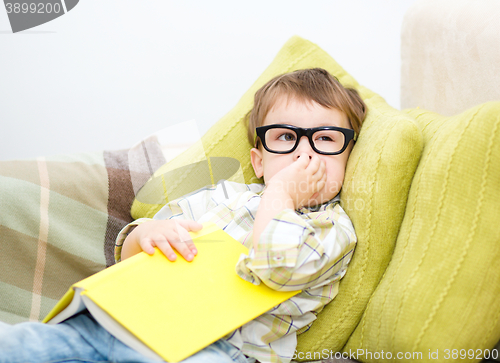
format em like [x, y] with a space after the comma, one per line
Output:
[306, 115]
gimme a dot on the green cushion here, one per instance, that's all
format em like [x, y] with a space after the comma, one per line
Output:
[377, 180]
[441, 290]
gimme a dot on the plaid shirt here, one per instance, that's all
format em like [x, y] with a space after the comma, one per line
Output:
[307, 249]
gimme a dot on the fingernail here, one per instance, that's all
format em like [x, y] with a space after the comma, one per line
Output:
[172, 257]
[190, 257]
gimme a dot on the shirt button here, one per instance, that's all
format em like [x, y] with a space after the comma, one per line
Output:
[278, 258]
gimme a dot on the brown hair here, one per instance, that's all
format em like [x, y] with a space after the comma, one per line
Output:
[307, 85]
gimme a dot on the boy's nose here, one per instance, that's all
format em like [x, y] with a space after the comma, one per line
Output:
[304, 147]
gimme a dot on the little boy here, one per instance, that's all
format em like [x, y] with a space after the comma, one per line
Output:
[303, 126]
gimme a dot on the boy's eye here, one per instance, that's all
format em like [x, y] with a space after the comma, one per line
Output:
[287, 136]
[327, 137]
[324, 138]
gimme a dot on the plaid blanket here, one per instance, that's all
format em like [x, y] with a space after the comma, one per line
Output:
[59, 217]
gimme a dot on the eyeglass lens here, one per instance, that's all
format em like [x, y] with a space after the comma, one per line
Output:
[282, 139]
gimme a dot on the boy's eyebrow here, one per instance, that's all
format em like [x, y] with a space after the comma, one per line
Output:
[318, 124]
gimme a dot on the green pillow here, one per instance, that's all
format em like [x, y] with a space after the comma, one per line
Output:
[440, 295]
[378, 177]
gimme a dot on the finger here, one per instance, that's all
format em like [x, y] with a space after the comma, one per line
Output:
[189, 225]
[185, 238]
[303, 160]
[314, 165]
[163, 245]
[147, 245]
[181, 242]
[321, 170]
[321, 183]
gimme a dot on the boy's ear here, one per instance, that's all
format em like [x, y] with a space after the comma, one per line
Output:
[256, 159]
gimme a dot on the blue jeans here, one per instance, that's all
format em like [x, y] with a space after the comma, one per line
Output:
[82, 339]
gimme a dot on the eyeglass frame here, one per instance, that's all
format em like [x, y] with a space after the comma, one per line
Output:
[349, 135]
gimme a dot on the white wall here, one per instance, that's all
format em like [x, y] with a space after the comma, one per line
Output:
[111, 72]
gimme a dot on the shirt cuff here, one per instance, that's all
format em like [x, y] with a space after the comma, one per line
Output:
[279, 249]
[272, 259]
[123, 234]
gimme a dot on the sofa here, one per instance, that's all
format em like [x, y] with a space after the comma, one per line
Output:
[422, 188]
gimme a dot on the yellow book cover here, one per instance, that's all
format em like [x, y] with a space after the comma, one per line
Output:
[170, 310]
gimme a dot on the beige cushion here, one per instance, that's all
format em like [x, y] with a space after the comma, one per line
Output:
[450, 55]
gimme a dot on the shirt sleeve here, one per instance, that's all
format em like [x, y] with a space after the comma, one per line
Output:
[299, 251]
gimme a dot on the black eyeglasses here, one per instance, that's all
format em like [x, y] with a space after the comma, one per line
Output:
[326, 140]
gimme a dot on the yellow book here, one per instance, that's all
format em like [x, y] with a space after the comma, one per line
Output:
[170, 310]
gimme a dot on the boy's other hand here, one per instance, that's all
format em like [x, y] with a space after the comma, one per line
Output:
[296, 185]
[167, 235]
[302, 180]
